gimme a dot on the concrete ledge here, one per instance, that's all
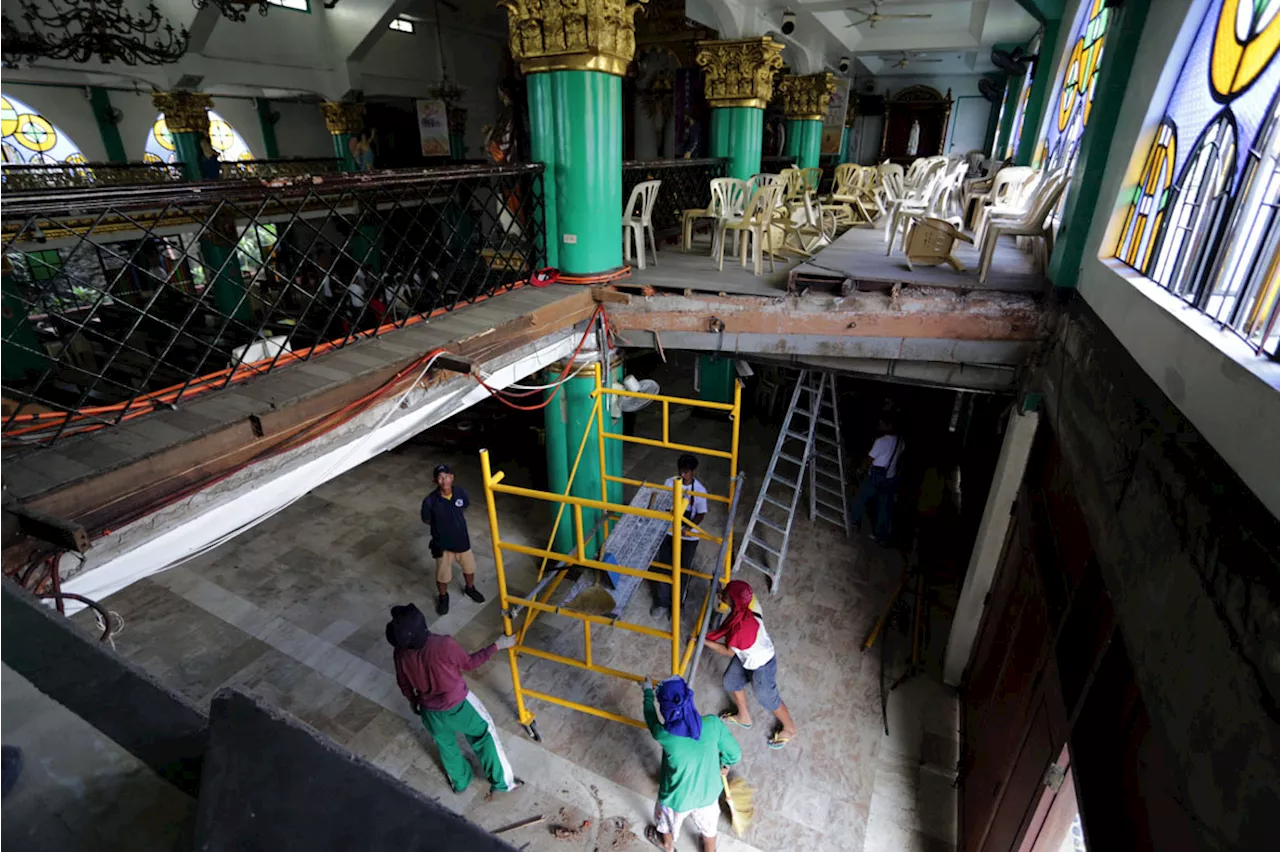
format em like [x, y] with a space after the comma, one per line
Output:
[156, 725]
[271, 782]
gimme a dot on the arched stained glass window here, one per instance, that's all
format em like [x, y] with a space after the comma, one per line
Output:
[1218, 243]
[226, 141]
[29, 137]
[1147, 209]
[1068, 112]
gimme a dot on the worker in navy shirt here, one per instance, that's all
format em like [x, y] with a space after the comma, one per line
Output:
[442, 510]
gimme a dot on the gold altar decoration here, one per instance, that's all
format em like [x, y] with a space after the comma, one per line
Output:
[572, 35]
[740, 72]
[806, 98]
[343, 117]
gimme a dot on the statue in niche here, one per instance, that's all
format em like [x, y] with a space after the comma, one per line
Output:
[362, 150]
[500, 140]
[913, 141]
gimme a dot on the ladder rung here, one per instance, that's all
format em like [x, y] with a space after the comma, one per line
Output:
[825, 422]
[777, 503]
[826, 458]
[761, 544]
[791, 458]
[776, 477]
[761, 519]
[837, 521]
[827, 488]
[747, 560]
[836, 507]
[799, 436]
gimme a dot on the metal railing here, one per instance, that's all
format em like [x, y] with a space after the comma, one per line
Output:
[118, 301]
[280, 168]
[38, 177]
[686, 185]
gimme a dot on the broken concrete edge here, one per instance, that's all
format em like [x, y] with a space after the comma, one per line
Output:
[271, 781]
[160, 727]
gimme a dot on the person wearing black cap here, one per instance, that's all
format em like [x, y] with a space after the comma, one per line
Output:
[442, 510]
[695, 509]
[429, 669]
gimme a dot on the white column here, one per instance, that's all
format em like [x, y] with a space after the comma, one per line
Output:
[1005, 484]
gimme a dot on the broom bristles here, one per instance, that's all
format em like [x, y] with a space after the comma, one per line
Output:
[740, 796]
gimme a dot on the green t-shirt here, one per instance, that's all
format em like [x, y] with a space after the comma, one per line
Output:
[691, 768]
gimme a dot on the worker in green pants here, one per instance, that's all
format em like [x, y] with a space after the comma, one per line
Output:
[429, 669]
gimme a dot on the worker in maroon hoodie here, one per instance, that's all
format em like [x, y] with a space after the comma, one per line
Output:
[429, 669]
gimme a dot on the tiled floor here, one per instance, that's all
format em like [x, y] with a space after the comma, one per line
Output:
[294, 610]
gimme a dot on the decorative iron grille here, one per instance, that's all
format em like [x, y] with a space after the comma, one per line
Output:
[686, 185]
[121, 301]
[37, 177]
[280, 168]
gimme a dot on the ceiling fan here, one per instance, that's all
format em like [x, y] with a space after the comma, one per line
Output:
[875, 16]
[905, 59]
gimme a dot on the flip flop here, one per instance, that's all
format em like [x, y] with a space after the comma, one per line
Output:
[732, 719]
[651, 835]
[778, 741]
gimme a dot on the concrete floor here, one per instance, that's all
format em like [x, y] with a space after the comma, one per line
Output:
[295, 608]
[78, 789]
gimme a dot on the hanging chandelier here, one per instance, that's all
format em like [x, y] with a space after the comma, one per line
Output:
[236, 10]
[80, 30]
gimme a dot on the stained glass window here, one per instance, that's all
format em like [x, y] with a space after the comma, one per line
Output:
[226, 141]
[1024, 94]
[29, 137]
[1202, 220]
[1068, 111]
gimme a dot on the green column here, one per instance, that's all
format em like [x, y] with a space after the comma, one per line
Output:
[555, 418]
[1123, 33]
[543, 150]
[721, 122]
[613, 449]
[717, 374]
[804, 141]
[587, 138]
[269, 141]
[342, 150]
[844, 145]
[21, 351]
[586, 482]
[186, 116]
[101, 103]
[1041, 85]
[741, 130]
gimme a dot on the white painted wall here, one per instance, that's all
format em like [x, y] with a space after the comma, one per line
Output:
[301, 132]
[1228, 393]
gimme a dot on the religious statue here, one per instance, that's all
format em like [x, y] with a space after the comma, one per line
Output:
[500, 139]
[913, 141]
[362, 150]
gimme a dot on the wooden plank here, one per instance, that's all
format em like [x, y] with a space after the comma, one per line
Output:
[103, 498]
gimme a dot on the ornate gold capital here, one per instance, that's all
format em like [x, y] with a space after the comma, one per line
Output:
[572, 35]
[740, 72]
[184, 112]
[343, 117]
[807, 97]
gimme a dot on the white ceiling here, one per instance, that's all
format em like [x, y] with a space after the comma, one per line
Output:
[961, 33]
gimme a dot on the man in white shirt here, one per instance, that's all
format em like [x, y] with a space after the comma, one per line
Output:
[695, 495]
[880, 482]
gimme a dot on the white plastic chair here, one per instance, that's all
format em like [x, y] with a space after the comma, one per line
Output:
[637, 219]
[1010, 196]
[1033, 223]
[756, 223]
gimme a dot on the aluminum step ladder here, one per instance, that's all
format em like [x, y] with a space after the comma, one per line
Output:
[828, 491]
[769, 529]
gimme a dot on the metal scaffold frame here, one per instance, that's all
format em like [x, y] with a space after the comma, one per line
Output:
[537, 601]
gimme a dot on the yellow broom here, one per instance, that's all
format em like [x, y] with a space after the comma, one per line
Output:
[740, 797]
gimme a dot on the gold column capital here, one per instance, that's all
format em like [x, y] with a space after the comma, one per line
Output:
[807, 97]
[343, 117]
[572, 35]
[184, 112]
[740, 72]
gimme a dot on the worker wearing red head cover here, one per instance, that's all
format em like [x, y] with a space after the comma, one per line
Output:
[743, 637]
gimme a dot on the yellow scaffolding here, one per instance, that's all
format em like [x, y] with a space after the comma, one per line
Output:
[537, 601]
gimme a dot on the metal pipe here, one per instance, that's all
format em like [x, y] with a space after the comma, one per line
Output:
[725, 548]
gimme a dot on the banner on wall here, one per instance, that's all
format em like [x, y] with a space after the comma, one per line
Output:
[833, 123]
[433, 128]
